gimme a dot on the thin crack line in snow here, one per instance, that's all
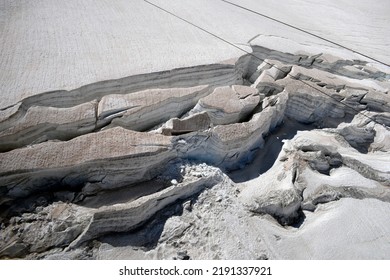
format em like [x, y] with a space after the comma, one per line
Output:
[273, 65]
[305, 31]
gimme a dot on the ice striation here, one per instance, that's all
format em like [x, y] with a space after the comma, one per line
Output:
[141, 167]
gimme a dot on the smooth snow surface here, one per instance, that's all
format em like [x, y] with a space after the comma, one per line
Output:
[51, 45]
[127, 133]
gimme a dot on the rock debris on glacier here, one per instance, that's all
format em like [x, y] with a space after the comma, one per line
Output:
[172, 161]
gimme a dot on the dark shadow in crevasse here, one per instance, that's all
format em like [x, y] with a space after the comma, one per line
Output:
[266, 156]
[147, 236]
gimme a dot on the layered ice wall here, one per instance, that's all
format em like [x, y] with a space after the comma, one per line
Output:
[121, 136]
